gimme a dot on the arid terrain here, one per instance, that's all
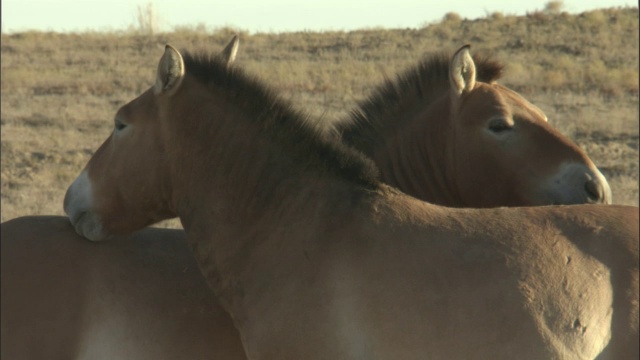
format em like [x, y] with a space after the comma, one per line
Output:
[60, 91]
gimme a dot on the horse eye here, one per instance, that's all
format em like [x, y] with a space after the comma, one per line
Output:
[499, 125]
[120, 125]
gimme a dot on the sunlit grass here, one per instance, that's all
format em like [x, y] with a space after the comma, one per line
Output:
[60, 91]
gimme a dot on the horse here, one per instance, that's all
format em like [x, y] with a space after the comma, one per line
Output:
[314, 257]
[140, 297]
[497, 151]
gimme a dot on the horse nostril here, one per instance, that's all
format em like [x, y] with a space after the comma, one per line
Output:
[594, 190]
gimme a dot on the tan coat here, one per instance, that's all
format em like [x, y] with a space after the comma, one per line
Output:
[315, 259]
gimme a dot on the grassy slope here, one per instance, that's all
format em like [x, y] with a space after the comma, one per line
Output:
[60, 91]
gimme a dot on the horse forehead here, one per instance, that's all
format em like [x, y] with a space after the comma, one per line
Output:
[496, 99]
[519, 104]
[141, 104]
[487, 101]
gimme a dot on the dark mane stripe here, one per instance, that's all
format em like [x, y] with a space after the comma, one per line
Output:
[277, 118]
[379, 116]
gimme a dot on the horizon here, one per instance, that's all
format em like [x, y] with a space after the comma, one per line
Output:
[254, 17]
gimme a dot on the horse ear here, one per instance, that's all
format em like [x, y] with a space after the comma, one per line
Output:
[170, 71]
[462, 72]
[229, 53]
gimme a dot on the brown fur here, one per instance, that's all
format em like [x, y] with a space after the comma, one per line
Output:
[435, 142]
[391, 105]
[319, 263]
[136, 297]
[295, 133]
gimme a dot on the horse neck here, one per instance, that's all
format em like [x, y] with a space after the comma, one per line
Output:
[242, 198]
[417, 158]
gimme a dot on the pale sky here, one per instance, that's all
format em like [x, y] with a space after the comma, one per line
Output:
[263, 15]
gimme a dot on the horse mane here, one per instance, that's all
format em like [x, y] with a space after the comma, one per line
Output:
[278, 120]
[383, 113]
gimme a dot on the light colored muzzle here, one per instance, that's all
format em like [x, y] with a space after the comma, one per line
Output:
[78, 204]
[577, 184]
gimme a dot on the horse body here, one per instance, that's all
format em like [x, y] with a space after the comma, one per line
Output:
[435, 284]
[314, 258]
[374, 291]
[139, 297]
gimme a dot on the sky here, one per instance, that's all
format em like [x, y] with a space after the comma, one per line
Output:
[263, 15]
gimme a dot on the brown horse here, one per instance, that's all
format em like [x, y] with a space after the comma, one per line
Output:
[141, 297]
[493, 149]
[56, 271]
[315, 258]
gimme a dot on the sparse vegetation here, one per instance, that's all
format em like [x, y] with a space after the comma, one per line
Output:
[554, 7]
[60, 91]
[147, 19]
[496, 16]
[452, 17]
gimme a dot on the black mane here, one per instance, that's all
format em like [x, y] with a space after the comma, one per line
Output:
[379, 116]
[278, 120]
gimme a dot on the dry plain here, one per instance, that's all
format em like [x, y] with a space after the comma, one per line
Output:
[60, 91]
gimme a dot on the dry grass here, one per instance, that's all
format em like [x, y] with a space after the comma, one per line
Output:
[60, 91]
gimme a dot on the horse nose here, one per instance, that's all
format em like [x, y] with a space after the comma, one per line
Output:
[595, 190]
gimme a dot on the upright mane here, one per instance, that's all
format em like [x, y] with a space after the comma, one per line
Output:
[392, 104]
[277, 120]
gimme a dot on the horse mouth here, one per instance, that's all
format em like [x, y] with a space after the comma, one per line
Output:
[77, 222]
[76, 218]
[88, 226]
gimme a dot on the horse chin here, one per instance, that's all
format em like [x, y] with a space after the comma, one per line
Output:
[88, 225]
[607, 198]
[551, 197]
